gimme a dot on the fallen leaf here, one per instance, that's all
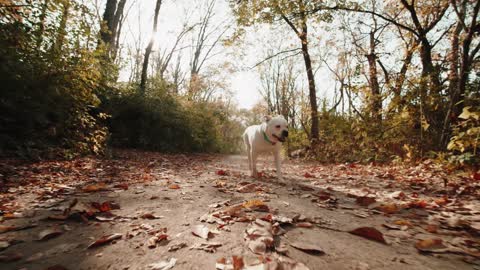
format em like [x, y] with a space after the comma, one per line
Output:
[210, 247]
[428, 245]
[308, 248]
[365, 200]
[176, 246]
[94, 187]
[369, 233]
[304, 225]
[174, 186]
[163, 265]
[222, 172]
[152, 241]
[431, 228]
[105, 239]
[259, 236]
[49, 233]
[149, 216]
[237, 263]
[201, 231]
[389, 208]
[308, 175]
[252, 187]
[256, 205]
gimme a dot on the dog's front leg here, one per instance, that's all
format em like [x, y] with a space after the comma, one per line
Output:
[254, 163]
[277, 164]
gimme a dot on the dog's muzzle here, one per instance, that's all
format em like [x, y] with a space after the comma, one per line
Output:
[282, 137]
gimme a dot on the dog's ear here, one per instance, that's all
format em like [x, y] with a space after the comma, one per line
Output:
[267, 118]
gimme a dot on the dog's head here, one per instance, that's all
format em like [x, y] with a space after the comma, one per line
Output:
[277, 128]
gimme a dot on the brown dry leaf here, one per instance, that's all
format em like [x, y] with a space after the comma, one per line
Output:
[256, 205]
[369, 233]
[390, 208]
[210, 247]
[152, 241]
[259, 237]
[308, 175]
[4, 244]
[149, 216]
[177, 246]
[201, 231]
[365, 200]
[174, 186]
[308, 248]
[429, 245]
[250, 187]
[49, 233]
[163, 265]
[94, 187]
[105, 239]
[431, 228]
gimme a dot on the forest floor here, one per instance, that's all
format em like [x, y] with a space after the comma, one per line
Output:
[142, 210]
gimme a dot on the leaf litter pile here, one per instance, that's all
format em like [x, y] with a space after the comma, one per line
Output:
[141, 210]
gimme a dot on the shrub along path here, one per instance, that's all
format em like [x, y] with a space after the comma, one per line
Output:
[142, 210]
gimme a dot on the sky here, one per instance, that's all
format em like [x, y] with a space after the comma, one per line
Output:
[244, 82]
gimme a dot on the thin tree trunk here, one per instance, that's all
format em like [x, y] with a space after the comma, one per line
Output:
[108, 18]
[62, 31]
[41, 26]
[148, 50]
[376, 99]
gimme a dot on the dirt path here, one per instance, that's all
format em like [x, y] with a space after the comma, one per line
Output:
[163, 198]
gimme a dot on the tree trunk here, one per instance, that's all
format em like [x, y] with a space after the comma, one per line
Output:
[41, 27]
[107, 34]
[116, 25]
[62, 31]
[376, 99]
[148, 50]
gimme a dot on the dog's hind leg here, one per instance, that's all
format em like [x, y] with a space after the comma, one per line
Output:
[249, 151]
[277, 164]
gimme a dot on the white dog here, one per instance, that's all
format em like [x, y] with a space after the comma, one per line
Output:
[266, 137]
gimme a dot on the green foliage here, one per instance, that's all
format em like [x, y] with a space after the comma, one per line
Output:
[466, 135]
[48, 95]
[160, 121]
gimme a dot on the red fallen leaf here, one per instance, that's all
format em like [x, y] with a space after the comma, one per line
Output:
[222, 172]
[369, 233]
[365, 200]
[237, 263]
[323, 195]
[104, 207]
[122, 186]
[105, 239]
[308, 175]
[174, 186]
[152, 242]
[476, 176]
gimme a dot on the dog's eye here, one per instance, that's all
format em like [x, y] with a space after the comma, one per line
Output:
[277, 126]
